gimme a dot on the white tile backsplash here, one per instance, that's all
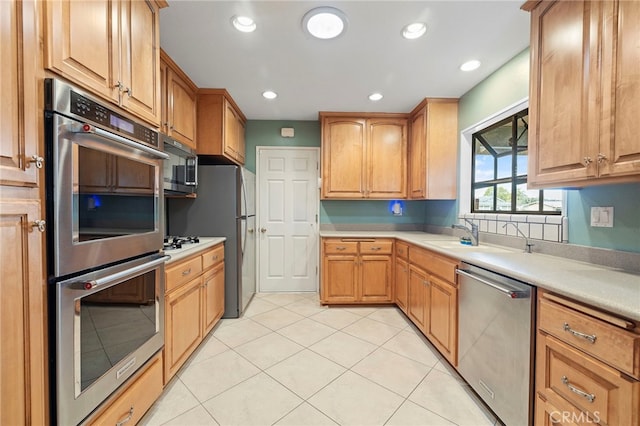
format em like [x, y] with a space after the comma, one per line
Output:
[539, 227]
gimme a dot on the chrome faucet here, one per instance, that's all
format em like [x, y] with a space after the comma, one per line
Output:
[473, 231]
[527, 244]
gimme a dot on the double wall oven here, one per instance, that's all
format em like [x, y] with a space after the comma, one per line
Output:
[104, 250]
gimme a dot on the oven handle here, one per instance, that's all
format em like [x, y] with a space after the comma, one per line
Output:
[89, 129]
[118, 276]
[513, 294]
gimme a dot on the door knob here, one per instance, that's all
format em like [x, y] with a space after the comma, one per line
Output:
[263, 230]
[250, 230]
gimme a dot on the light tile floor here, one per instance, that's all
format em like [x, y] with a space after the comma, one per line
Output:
[291, 361]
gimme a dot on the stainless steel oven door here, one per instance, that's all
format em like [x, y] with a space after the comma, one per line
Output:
[108, 324]
[107, 197]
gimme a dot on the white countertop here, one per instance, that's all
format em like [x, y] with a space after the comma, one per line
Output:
[610, 289]
[189, 249]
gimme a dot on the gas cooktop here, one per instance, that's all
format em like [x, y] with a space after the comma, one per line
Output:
[174, 243]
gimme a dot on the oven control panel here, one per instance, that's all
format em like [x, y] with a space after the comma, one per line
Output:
[99, 114]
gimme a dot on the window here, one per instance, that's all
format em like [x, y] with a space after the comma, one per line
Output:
[499, 171]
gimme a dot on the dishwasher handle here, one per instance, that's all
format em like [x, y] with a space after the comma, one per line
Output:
[513, 294]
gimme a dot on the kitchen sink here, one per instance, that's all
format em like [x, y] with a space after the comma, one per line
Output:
[455, 245]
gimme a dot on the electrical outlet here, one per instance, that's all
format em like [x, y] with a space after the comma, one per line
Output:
[602, 217]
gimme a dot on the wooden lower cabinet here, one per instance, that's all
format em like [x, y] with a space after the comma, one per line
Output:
[402, 284]
[140, 393]
[356, 271]
[442, 317]
[194, 302]
[418, 294]
[581, 382]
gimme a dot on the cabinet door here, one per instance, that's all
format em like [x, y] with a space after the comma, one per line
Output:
[241, 142]
[183, 325]
[418, 297]
[212, 297]
[563, 136]
[417, 151]
[82, 43]
[343, 157]
[402, 284]
[339, 278]
[547, 414]
[140, 59]
[181, 114]
[18, 85]
[230, 131]
[619, 141]
[375, 278]
[22, 352]
[386, 158]
[442, 318]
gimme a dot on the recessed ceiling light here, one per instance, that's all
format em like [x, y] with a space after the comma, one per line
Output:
[269, 94]
[414, 30]
[243, 23]
[375, 96]
[470, 65]
[324, 22]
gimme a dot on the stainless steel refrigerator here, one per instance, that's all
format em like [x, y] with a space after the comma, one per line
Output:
[224, 207]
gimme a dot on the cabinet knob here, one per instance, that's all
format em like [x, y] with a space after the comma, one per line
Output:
[37, 160]
[601, 158]
[128, 91]
[587, 161]
[40, 224]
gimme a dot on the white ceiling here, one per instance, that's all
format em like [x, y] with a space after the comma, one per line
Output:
[312, 75]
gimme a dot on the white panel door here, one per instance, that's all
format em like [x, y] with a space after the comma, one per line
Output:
[288, 200]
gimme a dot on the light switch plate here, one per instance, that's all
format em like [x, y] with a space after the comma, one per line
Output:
[602, 217]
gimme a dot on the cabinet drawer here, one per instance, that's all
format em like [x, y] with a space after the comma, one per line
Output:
[182, 272]
[213, 256]
[433, 263]
[340, 247]
[133, 403]
[613, 345]
[586, 383]
[402, 250]
[376, 247]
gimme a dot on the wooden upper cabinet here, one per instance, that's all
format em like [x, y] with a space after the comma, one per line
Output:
[364, 157]
[179, 98]
[110, 48]
[220, 126]
[19, 122]
[433, 150]
[584, 93]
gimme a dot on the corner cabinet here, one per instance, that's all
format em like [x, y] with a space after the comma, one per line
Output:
[356, 271]
[220, 126]
[584, 93]
[194, 302]
[179, 97]
[433, 150]
[111, 48]
[587, 365]
[364, 156]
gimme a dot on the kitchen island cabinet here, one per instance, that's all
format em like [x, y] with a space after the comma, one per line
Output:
[194, 302]
[110, 48]
[220, 125]
[584, 93]
[364, 156]
[356, 271]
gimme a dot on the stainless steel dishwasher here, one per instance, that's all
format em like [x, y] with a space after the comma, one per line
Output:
[496, 323]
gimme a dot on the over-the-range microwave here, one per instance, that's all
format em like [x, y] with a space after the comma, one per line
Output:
[181, 169]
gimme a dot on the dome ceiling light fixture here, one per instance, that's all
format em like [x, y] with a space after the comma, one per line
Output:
[269, 94]
[470, 65]
[324, 22]
[414, 30]
[375, 96]
[243, 24]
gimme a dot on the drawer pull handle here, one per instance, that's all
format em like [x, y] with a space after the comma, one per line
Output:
[187, 272]
[215, 257]
[376, 248]
[341, 248]
[126, 419]
[589, 337]
[588, 396]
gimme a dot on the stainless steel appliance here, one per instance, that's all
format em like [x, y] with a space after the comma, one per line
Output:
[103, 183]
[495, 346]
[224, 207]
[105, 268]
[180, 169]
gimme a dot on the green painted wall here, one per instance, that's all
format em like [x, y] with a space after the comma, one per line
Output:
[307, 133]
